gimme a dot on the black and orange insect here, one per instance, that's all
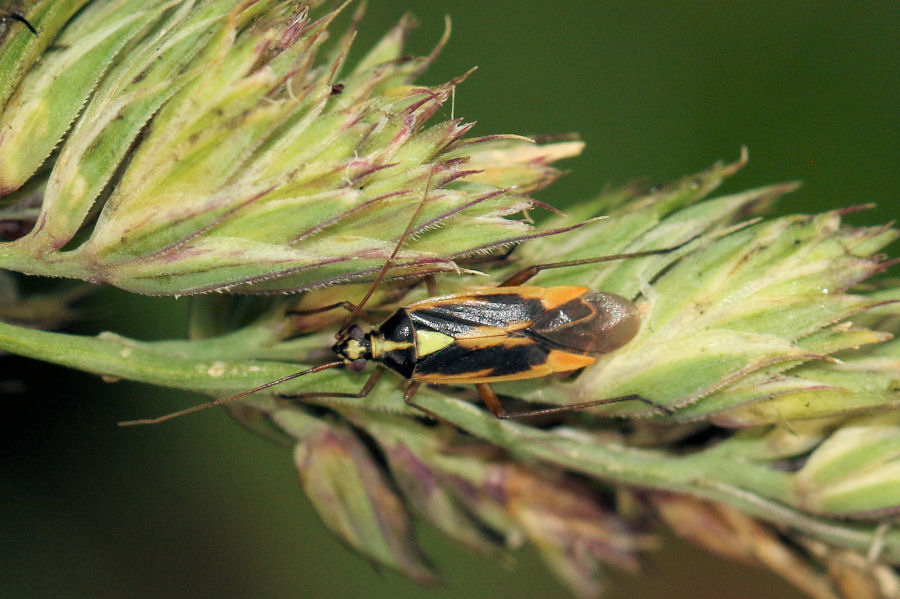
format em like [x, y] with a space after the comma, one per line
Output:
[506, 333]
[492, 335]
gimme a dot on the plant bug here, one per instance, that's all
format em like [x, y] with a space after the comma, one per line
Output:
[505, 333]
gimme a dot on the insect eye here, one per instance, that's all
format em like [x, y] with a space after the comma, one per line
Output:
[358, 364]
[356, 332]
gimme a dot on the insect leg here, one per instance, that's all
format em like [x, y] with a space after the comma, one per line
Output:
[367, 388]
[587, 404]
[408, 395]
[431, 284]
[489, 397]
[525, 274]
[348, 306]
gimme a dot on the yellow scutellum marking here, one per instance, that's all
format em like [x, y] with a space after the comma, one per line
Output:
[428, 342]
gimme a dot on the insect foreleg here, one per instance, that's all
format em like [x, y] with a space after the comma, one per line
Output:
[367, 388]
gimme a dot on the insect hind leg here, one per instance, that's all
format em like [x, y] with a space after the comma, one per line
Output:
[583, 405]
[490, 399]
[520, 277]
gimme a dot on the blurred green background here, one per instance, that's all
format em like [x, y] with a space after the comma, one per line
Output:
[199, 508]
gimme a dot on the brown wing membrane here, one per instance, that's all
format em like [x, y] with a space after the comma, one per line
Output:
[593, 323]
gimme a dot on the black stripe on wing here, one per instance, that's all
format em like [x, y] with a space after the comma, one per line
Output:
[478, 316]
[488, 360]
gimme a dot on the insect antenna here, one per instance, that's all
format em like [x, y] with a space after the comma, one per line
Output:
[230, 398]
[387, 264]
[341, 332]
